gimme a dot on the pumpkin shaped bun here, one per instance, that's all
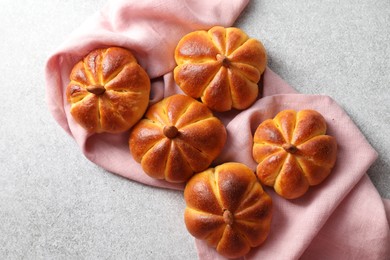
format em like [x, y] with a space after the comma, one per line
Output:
[178, 137]
[221, 66]
[293, 152]
[227, 207]
[108, 91]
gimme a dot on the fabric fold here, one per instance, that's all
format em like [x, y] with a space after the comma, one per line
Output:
[341, 238]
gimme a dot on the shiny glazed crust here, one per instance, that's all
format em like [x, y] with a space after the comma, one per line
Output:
[221, 66]
[108, 91]
[293, 152]
[227, 207]
[178, 137]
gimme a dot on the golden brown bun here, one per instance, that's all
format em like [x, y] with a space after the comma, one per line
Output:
[227, 207]
[177, 137]
[108, 91]
[221, 66]
[293, 152]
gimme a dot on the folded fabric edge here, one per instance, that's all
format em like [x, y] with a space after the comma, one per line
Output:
[54, 95]
[368, 221]
[386, 204]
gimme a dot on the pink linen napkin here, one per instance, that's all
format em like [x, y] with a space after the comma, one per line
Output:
[343, 218]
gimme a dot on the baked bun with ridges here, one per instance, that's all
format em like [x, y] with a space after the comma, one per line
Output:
[221, 66]
[227, 207]
[293, 152]
[108, 91]
[178, 137]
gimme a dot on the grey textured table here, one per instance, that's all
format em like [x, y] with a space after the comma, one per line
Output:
[55, 204]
